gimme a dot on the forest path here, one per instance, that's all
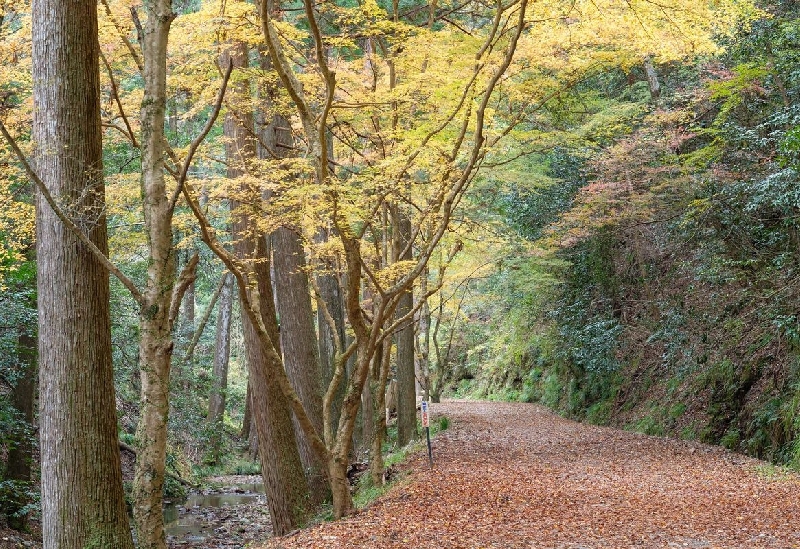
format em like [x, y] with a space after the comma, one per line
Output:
[517, 476]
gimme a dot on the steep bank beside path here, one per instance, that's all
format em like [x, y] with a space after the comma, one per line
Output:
[517, 476]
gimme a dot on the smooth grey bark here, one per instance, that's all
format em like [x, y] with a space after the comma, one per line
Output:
[82, 498]
[219, 375]
[652, 78]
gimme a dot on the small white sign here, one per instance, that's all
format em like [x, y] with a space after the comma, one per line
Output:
[425, 417]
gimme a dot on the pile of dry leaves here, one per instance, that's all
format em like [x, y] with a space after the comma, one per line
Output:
[517, 476]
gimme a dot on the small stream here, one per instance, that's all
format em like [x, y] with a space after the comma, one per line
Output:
[205, 516]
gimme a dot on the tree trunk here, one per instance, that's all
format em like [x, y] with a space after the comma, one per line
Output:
[293, 302]
[406, 382]
[219, 381]
[20, 455]
[652, 78]
[82, 499]
[156, 343]
[247, 417]
[425, 337]
[331, 294]
[298, 338]
[380, 374]
[281, 468]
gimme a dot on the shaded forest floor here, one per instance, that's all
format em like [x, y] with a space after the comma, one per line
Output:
[516, 475]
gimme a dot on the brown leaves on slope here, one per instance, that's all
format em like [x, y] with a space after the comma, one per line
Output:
[515, 475]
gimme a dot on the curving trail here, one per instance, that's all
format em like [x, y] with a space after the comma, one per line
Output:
[518, 476]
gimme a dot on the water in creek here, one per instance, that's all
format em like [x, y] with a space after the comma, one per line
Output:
[197, 517]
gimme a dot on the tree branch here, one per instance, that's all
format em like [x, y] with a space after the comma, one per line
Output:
[187, 276]
[206, 316]
[99, 255]
[199, 139]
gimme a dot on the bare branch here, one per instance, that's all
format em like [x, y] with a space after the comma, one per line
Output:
[98, 254]
[115, 93]
[201, 136]
[187, 276]
[206, 316]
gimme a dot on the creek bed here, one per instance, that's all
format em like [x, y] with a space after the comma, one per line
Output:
[228, 518]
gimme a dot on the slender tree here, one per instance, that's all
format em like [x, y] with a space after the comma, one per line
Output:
[222, 353]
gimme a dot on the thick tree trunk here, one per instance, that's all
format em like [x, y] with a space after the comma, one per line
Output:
[156, 343]
[293, 302]
[20, 456]
[298, 339]
[284, 478]
[406, 382]
[281, 468]
[82, 499]
[219, 381]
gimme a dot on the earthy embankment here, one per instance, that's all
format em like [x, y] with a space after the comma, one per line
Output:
[517, 476]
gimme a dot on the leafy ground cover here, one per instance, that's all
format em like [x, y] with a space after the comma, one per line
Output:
[516, 475]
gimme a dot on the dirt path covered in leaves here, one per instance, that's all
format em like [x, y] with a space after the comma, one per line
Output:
[515, 475]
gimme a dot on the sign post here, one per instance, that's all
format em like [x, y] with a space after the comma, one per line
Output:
[426, 422]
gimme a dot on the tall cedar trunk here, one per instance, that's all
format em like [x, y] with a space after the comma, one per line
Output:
[222, 353]
[298, 339]
[331, 294]
[284, 478]
[293, 302]
[18, 467]
[155, 345]
[406, 383]
[281, 468]
[82, 500]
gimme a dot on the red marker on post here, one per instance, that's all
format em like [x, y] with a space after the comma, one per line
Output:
[426, 422]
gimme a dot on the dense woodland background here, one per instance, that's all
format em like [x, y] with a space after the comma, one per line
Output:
[621, 241]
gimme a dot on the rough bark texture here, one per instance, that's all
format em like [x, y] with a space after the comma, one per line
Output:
[247, 418]
[281, 468]
[298, 339]
[293, 303]
[82, 498]
[222, 354]
[406, 383]
[155, 345]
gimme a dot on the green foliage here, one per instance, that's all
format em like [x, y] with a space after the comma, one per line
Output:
[665, 245]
